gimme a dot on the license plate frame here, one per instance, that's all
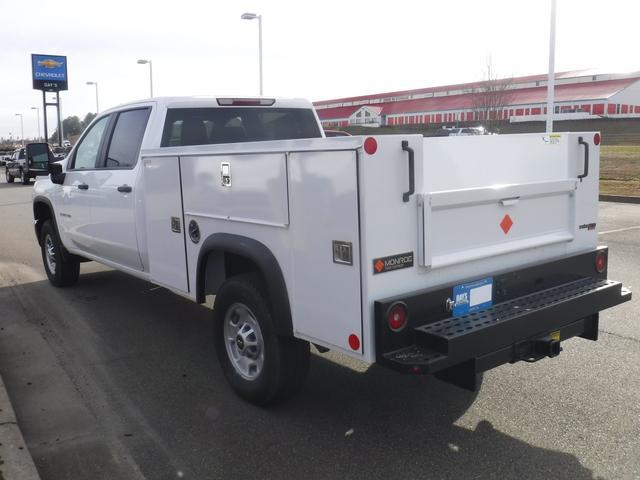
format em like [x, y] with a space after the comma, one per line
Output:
[470, 297]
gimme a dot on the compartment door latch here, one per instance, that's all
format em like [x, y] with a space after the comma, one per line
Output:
[225, 174]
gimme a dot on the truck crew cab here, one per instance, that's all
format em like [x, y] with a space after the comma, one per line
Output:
[446, 256]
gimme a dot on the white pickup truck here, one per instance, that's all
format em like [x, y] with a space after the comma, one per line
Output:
[446, 255]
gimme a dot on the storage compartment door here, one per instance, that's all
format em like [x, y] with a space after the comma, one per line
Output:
[165, 223]
[323, 199]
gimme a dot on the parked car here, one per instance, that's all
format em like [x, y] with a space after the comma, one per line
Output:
[460, 131]
[60, 153]
[336, 133]
[27, 167]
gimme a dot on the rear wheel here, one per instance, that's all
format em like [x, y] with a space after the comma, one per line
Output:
[260, 366]
[62, 269]
[24, 177]
[8, 176]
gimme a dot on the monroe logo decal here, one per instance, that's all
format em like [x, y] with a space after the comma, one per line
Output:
[393, 262]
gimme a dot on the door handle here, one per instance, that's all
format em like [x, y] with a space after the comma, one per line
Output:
[83, 186]
[124, 188]
[407, 148]
[507, 202]
[586, 158]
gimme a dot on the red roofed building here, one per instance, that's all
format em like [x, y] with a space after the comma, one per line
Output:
[578, 95]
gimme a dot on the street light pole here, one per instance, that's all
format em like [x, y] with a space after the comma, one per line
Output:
[552, 76]
[96, 85]
[21, 127]
[253, 16]
[144, 62]
[38, 113]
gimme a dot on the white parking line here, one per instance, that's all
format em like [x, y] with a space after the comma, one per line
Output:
[619, 230]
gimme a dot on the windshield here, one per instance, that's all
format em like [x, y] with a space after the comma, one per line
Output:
[206, 126]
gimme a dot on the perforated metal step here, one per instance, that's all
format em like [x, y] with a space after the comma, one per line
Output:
[470, 336]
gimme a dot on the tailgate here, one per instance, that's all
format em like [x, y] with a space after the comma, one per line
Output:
[463, 225]
[488, 196]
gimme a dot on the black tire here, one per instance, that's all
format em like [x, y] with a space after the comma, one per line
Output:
[286, 359]
[24, 177]
[8, 176]
[65, 268]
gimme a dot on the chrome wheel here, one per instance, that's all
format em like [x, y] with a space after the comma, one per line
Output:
[50, 254]
[243, 341]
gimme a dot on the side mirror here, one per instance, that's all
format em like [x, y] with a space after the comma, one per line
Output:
[55, 170]
[37, 155]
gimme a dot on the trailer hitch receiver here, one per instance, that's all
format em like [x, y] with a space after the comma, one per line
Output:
[547, 347]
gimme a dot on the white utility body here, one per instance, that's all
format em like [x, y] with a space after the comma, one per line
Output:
[350, 257]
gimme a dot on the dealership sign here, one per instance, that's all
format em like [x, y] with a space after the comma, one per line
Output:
[49, 72]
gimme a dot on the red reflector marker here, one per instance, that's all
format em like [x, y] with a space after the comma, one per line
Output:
[601, 262]
[596, 139]
[354, 342]
[370, 145]
[397, 316]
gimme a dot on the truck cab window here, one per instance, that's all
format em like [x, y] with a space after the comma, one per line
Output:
[21, 157]
[89, 147]
[126, 138]
[207, 126]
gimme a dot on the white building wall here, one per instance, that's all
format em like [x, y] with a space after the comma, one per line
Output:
[630, 95]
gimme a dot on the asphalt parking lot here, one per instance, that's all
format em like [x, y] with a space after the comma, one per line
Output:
[116, 379]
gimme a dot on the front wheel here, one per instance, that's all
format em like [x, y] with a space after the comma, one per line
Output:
[262, 367]
[62, 269]
[24, 177]
[8, 176]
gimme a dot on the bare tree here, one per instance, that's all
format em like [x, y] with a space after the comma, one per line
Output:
[491, 97]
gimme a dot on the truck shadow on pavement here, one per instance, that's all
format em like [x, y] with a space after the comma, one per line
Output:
[169, 404]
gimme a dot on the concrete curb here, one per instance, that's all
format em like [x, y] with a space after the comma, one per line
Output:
[15, 460]
[619, 198]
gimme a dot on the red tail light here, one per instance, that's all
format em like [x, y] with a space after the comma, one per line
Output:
[397, 316]
[601, 261]
[596, 139]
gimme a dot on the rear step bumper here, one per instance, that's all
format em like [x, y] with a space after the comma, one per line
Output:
[527, 328]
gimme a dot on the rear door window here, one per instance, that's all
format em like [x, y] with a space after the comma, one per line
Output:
[126, 138]
[206, 126]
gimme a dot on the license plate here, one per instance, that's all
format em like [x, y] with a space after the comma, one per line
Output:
[472, 296]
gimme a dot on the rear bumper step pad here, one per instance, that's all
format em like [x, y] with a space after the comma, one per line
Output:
[509, 330]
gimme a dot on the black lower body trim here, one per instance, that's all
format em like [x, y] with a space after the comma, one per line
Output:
[525, 328]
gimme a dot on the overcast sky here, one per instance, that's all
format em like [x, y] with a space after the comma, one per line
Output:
[313, 49]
